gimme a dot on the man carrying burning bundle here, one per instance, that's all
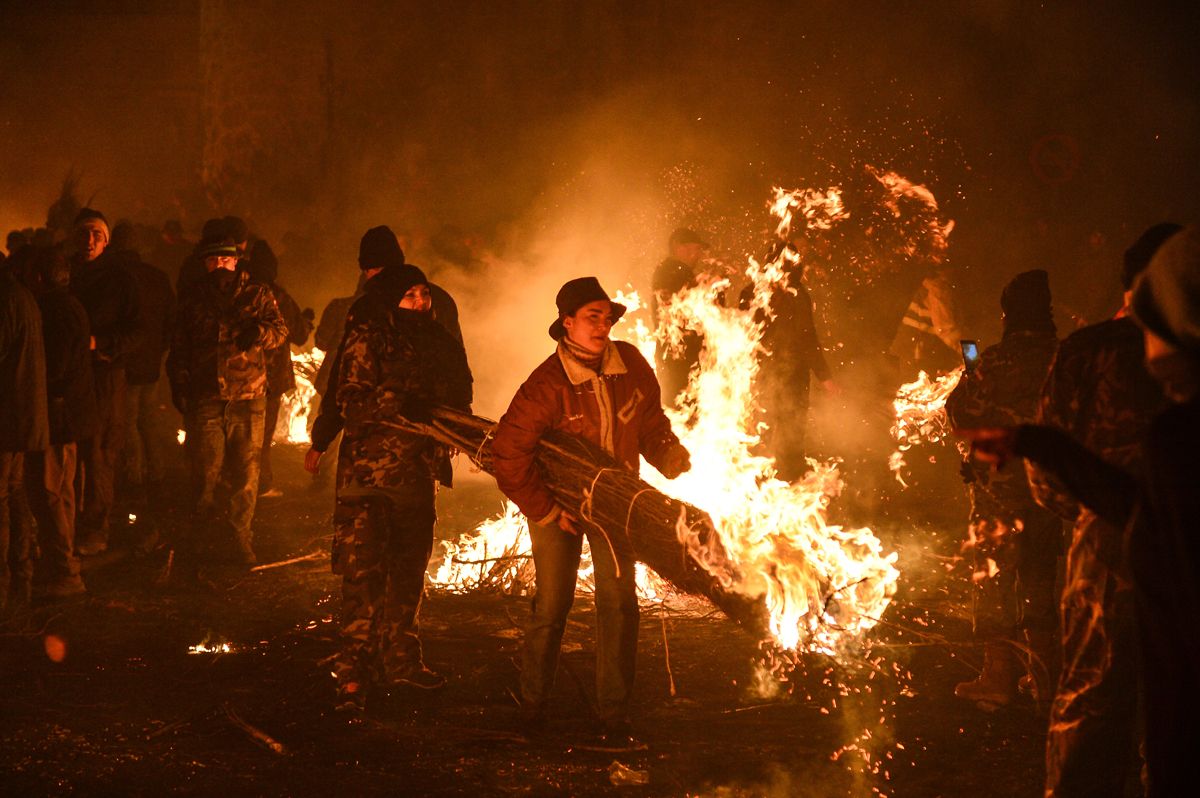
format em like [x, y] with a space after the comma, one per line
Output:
[394, 361]
[606, 393]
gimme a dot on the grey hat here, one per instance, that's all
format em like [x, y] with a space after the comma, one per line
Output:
[1166, 296]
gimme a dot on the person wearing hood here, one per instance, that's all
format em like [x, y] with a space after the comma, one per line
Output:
[604, 392]
[1014, 541]
[109, 294]
[1158, 508]
[394, 361]
[263, 268]
[379, 247]
[218, 374]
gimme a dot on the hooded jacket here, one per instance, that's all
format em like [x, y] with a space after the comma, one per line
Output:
[205, 362]
[618, 408]
[388, 358]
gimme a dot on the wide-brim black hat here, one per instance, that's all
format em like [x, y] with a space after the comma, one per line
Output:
[575, 294]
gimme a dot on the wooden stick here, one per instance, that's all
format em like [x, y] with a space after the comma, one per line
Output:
[256, 734]
[316, 555]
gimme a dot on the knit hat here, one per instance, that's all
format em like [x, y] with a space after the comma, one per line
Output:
[237, 229]
[1138, 256]
[1166, 296]
[92, 219]
[379, 248]
[1026, 302]
[217, 247]
[575, 294]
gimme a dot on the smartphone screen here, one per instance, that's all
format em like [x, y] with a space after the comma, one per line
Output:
[970, 353]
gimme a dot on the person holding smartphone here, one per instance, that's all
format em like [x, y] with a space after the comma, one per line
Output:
[1014, 541]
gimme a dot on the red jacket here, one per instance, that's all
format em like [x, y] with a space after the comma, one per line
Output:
[619, 410]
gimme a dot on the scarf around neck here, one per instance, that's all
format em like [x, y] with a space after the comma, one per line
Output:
[583, 356]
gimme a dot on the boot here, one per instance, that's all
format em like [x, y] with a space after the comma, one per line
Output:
[997, 683]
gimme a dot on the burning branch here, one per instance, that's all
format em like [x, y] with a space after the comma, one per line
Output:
[633, 517]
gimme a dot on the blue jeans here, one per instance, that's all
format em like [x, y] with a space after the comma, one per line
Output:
[556, 561]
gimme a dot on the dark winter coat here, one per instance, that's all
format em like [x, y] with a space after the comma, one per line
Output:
[618, 409]
[671, 277]
[205, 362]
[24, 424]
[793, 350]
[70, 385]
[389, 358]
[109, 294]
[157, 303]
[281, 377]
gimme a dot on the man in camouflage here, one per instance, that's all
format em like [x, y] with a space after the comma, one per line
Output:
[1014, 542]
[394, 361]
[217, 370]
[1099, 392]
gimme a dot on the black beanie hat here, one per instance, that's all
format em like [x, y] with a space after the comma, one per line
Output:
[1138, 256]
[379, 248]
[1026, 302]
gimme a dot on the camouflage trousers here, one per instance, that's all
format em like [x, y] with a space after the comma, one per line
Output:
[1093, 719]
[381, 548]
[224, 435]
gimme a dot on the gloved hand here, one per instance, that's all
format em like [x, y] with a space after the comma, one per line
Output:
[414, 408]
[677, 461]
[247, 337]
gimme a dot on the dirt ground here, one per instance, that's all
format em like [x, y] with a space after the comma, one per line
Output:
[129, 711]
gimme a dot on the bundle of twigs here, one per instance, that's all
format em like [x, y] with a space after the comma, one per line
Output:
[671, 537]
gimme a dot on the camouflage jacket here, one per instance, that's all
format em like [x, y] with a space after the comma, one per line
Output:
[205, 362]
[389, 357]
[1097, 391]
[1003, 391]
[280, 376]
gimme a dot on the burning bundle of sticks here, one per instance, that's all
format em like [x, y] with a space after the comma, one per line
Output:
[676, 540]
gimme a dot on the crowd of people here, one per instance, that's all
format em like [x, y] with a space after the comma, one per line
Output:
[91, 327]
[1082, 447]
[1106, 422]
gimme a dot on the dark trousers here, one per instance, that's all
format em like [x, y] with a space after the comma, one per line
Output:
[50, 476]
[381, 548]
[266, 477]
[1019, 597]
[556, 562]
[16, 531]
[225, 434]
[146, 444]
[100, 454]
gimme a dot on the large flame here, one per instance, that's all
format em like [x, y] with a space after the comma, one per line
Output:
[920, 411]
[823, 585]
[297, 405]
